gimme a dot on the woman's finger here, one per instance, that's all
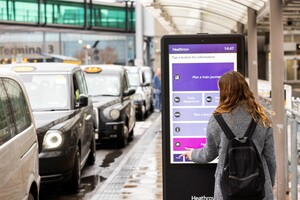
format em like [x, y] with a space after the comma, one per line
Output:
[189, 149]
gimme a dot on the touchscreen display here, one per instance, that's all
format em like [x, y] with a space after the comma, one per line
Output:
[194, 71]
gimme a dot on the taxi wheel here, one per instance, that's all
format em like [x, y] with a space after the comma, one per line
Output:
[143, 113]
[131, 133]
[124, 139]
[75, 180]
[151, 106]
[92, 156]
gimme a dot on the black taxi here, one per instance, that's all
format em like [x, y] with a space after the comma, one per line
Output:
[64, 119]
[113, 102]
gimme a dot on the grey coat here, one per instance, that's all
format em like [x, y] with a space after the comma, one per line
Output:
[238, 121]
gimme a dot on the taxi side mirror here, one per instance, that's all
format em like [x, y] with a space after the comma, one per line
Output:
[83, 100]
[146, 84]
[129, 92]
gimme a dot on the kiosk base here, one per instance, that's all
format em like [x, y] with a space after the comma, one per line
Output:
[190, 184]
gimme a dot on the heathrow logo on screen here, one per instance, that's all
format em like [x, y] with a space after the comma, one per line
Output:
[180, 49]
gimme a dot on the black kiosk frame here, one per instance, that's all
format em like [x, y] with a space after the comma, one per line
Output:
[185, 58]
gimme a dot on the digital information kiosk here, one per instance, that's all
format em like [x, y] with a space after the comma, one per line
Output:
[191, 67]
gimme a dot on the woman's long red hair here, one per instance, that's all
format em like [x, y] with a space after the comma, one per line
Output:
[234, 91]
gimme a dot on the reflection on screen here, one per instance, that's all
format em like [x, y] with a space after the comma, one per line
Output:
[194, 73]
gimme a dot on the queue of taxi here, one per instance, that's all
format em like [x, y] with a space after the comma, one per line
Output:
[69, 109]
[63, 114]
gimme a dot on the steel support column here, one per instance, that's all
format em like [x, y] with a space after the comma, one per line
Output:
[138, 33]
[277, 78]
[252, 51]
[239, 28]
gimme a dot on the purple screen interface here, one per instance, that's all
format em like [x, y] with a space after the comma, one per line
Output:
[194, 73]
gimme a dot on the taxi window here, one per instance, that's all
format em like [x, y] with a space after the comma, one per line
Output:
[148, 76]
[103, 84]
[81, 82]
[84, 83]
[125, 83]
[20, 109]
[134, 79]
[7, 128]
[47, 91]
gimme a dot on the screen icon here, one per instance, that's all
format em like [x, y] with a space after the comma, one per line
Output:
[209, 99]
[177, 114]
[177, 99]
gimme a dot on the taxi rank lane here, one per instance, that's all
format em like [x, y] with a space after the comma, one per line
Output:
[108, 158]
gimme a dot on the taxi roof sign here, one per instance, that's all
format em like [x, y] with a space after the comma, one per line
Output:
[93, 70]
[24, 68]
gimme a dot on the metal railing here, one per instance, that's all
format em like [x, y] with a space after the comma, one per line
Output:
[291, 124]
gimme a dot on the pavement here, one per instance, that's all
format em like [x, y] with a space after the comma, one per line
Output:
[139, 176]
[146, 181]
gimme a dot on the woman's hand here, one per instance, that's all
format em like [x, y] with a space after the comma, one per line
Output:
[187, 154]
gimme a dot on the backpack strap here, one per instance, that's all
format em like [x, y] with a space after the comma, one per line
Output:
[229, 134]
[251, 129]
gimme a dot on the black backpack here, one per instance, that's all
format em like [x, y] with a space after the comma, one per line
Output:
[243, 174]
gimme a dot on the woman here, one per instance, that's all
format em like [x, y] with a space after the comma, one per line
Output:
[237, 106]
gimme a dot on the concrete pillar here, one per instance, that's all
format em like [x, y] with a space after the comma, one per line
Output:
[159, 32]
[252, 51]
[277, 74]
[138, 33]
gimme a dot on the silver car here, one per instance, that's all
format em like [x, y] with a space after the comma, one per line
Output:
[19, 169]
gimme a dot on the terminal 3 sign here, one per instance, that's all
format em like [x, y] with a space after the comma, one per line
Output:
[29, 50]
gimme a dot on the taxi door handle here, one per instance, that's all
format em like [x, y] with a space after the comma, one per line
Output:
[88, 117]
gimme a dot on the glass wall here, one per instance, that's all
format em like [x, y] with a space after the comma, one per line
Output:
[117, 17]
[19, 11]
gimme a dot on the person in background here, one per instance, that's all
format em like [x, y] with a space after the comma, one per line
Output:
[237, 106]
[156, 83]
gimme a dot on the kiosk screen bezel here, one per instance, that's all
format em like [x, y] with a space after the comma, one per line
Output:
[168, 40]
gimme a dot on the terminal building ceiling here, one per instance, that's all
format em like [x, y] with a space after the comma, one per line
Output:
[218, 16]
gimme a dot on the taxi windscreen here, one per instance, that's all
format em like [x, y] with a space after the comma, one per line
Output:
[103, 85]
[47, 91]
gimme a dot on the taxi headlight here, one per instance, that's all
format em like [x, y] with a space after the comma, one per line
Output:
[114, 114]
[52, 139]
[138, 97]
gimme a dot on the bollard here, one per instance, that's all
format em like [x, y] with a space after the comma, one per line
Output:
[294, 160]
[291, 122]
[292, 118]
[287, 131]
